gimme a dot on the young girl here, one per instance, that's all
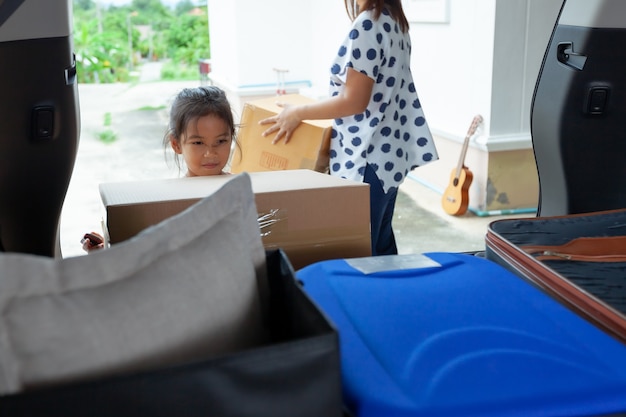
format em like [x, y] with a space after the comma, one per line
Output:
[380, 132]
[202, 130]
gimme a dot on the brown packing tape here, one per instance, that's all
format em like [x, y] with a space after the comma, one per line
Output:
[272, 221]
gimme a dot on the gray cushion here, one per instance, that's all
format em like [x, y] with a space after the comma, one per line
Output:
[185, 289]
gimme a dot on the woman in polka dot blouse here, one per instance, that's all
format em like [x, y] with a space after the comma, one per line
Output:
[379, 129]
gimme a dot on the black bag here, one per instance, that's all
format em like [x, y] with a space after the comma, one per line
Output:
[578, 259]
[298, 374]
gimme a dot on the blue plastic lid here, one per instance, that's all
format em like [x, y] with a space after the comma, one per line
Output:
[463, 337]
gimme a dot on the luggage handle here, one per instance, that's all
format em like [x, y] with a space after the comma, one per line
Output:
[588, 249]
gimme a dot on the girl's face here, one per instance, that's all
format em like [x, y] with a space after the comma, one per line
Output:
[205, 146]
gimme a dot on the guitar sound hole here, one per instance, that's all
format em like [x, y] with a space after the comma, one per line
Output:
[455, 182]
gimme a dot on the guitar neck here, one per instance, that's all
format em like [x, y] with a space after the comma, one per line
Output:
[475, 122]
[461, 162]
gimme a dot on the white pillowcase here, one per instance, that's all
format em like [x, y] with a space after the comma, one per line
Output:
[185, 289]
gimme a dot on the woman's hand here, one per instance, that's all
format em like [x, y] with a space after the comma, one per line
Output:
[283, 123]
[353, 100]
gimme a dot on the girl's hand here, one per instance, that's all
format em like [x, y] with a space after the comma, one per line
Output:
[92, 241]
[284, 123]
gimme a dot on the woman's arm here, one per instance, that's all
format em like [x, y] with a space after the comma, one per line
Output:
[353, 100]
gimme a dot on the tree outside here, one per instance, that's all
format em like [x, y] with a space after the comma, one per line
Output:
[112, 42]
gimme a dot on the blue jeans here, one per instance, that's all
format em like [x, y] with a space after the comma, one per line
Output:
[382, 206]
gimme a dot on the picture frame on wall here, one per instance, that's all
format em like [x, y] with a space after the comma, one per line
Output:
[427, 11]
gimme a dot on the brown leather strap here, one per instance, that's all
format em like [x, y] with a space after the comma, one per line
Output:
[589, 249]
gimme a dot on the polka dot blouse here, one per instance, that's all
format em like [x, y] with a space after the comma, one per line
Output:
[392, 134]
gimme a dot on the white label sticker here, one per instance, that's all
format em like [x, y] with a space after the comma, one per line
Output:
[373, 264]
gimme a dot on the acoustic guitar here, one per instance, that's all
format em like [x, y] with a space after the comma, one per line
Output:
[455, 199]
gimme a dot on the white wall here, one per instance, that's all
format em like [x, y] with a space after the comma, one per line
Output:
[452, 65]
[249, 38]
[484, 61]
[330, 26]
[517, 61]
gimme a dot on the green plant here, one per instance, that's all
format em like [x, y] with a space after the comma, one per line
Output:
[179, 71]
[152, 108]
[107, 136]
[106, 37]
[187, 38]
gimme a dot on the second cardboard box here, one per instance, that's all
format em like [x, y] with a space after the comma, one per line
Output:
[308, 148]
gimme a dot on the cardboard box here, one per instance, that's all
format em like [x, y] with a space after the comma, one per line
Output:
[308, 148]
[310, 215]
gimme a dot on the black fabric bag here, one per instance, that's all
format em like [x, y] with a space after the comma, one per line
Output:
[579, 259]
[298, 374]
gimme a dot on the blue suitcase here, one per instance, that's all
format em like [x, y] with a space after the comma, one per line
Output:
[450, 334]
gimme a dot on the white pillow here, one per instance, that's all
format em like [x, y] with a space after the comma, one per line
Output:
[185, 289]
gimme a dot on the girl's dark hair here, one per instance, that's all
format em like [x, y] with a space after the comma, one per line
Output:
[377, 6]
[192, 103]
